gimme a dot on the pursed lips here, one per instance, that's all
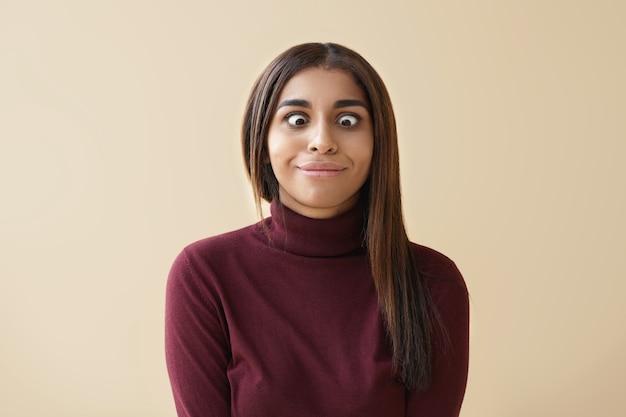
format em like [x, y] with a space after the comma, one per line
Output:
[321, 169]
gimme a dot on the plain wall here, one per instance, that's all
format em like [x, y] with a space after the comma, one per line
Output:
[119, 130]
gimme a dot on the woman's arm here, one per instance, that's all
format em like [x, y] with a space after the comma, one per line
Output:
[451, 351]
[196, 344]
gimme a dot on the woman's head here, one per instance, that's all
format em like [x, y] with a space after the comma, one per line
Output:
[263, 101]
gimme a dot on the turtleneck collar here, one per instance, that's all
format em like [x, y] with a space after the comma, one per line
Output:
[305, 236]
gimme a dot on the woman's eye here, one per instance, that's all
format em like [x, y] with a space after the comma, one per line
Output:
[296, 119]
[348, 120]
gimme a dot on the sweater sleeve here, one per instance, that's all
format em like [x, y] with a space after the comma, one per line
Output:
[196, 344]
[451, 351]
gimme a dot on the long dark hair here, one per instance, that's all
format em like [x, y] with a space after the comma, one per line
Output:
[405, 304]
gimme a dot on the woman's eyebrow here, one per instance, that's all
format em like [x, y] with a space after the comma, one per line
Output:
[338, 104]
[295, 102]
[349, 103]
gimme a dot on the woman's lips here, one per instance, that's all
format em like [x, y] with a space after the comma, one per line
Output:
[321, 169]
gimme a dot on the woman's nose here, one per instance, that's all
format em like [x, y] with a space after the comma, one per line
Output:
[322, 140]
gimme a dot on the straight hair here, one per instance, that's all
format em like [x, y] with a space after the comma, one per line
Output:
[404, 301]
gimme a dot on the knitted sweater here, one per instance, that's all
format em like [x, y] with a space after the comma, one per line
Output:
[290, 325]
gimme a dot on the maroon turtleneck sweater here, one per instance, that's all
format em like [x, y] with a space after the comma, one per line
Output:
[291, 327]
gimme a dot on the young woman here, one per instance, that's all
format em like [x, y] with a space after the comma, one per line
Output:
[325, 308]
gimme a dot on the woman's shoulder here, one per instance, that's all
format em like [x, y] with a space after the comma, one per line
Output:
[225, 243]
[214, 254]
[430, 258]
[435, 265]
[224, 248]
[443, 277]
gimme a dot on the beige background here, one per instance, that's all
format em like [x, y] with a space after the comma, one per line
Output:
[119, 129]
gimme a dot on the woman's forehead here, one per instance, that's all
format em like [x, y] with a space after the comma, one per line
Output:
[317, 82]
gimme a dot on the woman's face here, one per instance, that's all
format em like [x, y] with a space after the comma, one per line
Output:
[320, 142]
